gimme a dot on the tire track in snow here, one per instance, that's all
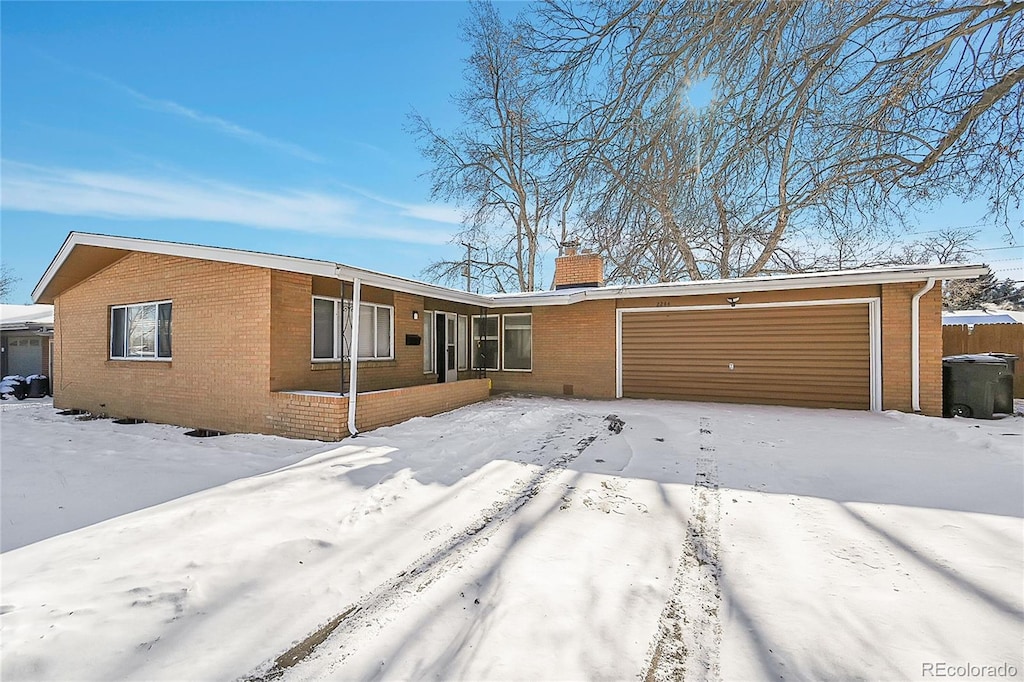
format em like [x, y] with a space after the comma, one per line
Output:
[372, 612]
[689, 634]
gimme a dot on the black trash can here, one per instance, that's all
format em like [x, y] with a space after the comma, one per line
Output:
[975, 386]
[1004, 396]
[15, 385]
[39, 386]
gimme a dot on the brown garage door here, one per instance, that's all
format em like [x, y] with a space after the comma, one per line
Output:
[809, 356]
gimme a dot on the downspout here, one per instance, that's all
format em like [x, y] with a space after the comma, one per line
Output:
[340, 332]
[353, 357]
[915, 345]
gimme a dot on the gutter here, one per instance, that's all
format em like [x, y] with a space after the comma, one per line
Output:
[915, 345]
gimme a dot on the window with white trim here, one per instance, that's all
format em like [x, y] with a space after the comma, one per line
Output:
[485, 342]
[376, 330]
[517, 342]
[428, 342]
[141, 331]
[463, 342]
[327, 342]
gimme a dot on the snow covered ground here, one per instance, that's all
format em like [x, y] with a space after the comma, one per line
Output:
[521, 539]
[59, 474]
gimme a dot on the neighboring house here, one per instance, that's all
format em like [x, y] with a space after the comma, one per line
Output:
[233, 340]
[26, 339]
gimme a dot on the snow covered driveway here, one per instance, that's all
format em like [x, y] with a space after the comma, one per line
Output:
[525, 539]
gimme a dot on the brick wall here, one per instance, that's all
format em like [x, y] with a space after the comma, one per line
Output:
[318, 417]
[573, 352]
[322, 417]
[218, 377]
[584, 268]
[896, 348]
[391, 407]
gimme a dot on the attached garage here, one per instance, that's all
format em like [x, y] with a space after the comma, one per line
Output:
[804, 353]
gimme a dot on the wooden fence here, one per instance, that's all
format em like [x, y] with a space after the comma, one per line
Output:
[988, 338]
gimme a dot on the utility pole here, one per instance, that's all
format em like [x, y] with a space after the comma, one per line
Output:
[469, 263]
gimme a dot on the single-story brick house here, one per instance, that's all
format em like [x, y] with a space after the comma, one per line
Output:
[26, 339]
[233, 340]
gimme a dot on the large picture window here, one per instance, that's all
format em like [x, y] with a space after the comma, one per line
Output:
[485, 342]
[517, 342]
[376, 330]
[141, 331]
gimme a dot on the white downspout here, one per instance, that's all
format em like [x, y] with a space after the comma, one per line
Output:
[915, 345]
[353, 357]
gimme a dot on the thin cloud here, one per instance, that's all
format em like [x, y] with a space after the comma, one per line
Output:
[220, 124]
[438, 213]
[214, 122]
[65, 191]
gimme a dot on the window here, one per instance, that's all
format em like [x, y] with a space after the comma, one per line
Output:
[376, 330]
[326, 340]
[141, 331]
[517, 342]
[485, 342]
[463, 342]
[428, 342]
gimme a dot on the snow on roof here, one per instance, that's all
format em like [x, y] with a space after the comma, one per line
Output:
[954, 317]
[22, 316]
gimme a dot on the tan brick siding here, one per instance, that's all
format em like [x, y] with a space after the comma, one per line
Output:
[326, 417]
[219, 375]
[308, 416]
[584, 268]
[573, 350]
[896, 348]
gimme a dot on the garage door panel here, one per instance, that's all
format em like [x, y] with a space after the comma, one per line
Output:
[799, 355]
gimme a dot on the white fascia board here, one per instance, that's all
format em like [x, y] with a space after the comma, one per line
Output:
[305, 266]
[526, 300]
[814, 280]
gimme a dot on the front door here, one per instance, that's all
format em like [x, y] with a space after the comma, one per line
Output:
[446, 327]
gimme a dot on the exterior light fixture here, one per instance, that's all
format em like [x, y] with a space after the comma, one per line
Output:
[733, 300]
[415, 314]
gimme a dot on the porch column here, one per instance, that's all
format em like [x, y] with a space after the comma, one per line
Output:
[353, 356]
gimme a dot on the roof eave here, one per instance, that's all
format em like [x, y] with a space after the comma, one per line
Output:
[743, 285]
[264, 260]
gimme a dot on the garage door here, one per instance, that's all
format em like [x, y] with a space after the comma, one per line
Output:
[24, 355]
[808, 356]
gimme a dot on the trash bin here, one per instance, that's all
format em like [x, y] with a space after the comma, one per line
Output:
[1004, 396]
[14, 385]
[975, 386]
[39, 386]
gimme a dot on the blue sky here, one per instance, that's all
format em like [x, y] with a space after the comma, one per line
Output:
[269, 126]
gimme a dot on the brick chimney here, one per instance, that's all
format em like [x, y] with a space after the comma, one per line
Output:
[575, 270]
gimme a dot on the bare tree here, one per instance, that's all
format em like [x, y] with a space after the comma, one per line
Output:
[970, 294]
[830, 121]
[499, 163]
[7, 281]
